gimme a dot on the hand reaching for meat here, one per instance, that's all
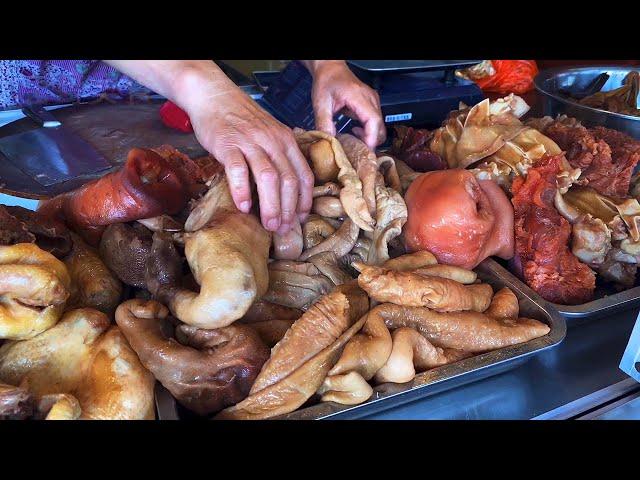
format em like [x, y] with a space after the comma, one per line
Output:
[335, 88]
[245, 138]
[34, 288]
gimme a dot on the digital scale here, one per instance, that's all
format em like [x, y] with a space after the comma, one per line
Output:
[412, 92]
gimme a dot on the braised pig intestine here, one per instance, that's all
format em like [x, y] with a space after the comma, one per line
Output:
[300, 361]
[492, 132]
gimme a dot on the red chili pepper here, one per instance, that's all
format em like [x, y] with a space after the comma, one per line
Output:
[174, 117]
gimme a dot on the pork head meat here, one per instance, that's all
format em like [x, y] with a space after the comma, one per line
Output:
[460, 219]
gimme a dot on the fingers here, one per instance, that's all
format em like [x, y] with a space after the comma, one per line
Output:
[267, 180]
[367, 110]
[305, 178]
[360, 133]
[288, 193]
[324, 108]
[237, 172]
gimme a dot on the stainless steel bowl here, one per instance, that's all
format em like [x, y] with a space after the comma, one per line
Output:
[549, 82]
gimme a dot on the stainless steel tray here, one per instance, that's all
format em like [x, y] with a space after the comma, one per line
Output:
[603, 306]
[439, 379]
[548, 83]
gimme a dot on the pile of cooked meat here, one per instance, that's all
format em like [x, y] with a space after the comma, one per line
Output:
[572, 188]
[152, 273]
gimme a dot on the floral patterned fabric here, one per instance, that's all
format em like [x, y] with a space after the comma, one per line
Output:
[48, 82]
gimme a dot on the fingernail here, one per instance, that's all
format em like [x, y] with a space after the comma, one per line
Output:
[273, 224]
[245, 206]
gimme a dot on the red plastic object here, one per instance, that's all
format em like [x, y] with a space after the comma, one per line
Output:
[174, 117]
[512, 76]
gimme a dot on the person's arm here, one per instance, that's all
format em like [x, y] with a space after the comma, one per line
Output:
[335, 88]
[238, 133]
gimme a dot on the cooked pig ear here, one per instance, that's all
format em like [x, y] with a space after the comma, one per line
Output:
[387, 165]
[587, 200]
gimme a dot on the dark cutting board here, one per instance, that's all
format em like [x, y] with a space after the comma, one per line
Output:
[112, 129]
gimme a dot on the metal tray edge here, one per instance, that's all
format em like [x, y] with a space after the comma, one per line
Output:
[593, 309]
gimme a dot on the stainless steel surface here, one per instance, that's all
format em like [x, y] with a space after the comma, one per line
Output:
[548, 83]
[631, 356]
[51, 154]
[407, 66]
[624, 408]
[576, 408]
[598, 308]
[459, 373]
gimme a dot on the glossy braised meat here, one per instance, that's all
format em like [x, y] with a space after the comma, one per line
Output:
[459, 219]
[146, 186]
[542, 238]
[19, 225]
[206, 370]
[605, 156]
[125, 249]
[412, 147]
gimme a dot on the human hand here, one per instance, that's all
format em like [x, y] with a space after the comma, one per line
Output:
[244, 137]
[336, 88]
